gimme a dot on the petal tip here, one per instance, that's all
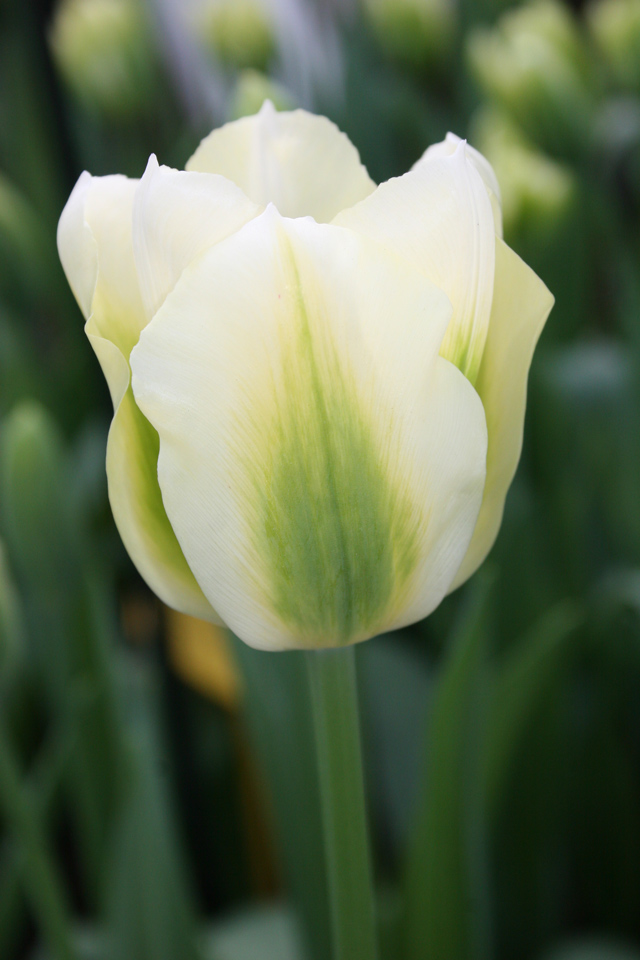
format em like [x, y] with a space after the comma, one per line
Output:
[152, 165]
[267, 109]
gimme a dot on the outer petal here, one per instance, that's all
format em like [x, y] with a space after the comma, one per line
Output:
[322, 465]
[449, 146]
[521, 305]
[438, 217]
[176, 217]
[77, 246]
[300, 162]
[95, 244]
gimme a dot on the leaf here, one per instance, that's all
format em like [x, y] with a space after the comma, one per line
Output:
[67, 619]
[396, 688]
[524, 677]
[278, 714]
[12, 630]
[40, 872]
[446, 886]
[149, 911]
[43, 787]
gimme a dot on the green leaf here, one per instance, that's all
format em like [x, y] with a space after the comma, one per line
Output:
[12, 633]
[523, 680]
[446, 885]
[149, 911]
[278, 713]
[68, 621]
[40, 873]
[396, 687]
[43, 785]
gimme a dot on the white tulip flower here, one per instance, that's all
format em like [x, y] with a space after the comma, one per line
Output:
[319, 384]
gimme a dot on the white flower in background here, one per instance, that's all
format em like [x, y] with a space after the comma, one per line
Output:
[329, 378]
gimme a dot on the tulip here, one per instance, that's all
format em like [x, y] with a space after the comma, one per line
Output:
[238, 32]
[533, 63]
[104, 51]
[615, 27]
[319, 384]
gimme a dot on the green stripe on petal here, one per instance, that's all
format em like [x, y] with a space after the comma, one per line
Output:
[321, 464]
[338, 530]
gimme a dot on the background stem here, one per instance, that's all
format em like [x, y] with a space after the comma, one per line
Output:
[335, 713]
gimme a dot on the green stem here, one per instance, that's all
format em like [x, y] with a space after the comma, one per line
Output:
[39, 871]
[332, 678]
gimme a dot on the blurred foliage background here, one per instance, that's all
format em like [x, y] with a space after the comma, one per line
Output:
[158, 796]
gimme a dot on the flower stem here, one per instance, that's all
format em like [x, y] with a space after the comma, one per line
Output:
[337, 732]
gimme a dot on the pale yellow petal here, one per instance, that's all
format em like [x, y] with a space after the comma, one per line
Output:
[96, 248]
[521, 305]
[300, 162]
[321, 464]
[134, 494]
[77, 247]
[176, 217]
[448, 146]
[438, 217]
[116, 308]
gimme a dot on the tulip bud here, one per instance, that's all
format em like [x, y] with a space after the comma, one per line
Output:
[538, 193]
[413, 32]
[252, 89]
[103, 49]
[534, 66]
[615, 27]
[542, 213]
[238, 32]
[33, 484]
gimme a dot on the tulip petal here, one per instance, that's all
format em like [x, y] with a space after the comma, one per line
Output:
[521, 305]
[321, 464]
[96, 250]
[449, 146]
[298, 161]
[77, 247]
[176, 217]
[438, 217]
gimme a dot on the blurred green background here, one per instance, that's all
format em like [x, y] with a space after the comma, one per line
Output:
[158, 796]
